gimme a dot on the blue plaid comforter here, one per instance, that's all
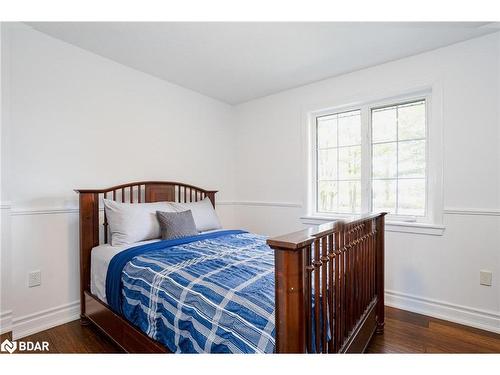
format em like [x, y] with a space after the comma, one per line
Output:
[211, 293]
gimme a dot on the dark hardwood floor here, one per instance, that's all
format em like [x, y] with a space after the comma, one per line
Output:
[405, 332]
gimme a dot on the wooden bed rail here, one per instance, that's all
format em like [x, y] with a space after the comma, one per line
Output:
[330, 286]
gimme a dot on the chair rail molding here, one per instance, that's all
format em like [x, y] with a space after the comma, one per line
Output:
[261, 204]
[472, 211]
[21, 211]
[35, 210]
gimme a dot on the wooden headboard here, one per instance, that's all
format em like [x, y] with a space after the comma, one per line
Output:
[134, 192]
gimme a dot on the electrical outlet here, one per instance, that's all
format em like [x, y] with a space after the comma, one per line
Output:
[34, 278]
[485, 277]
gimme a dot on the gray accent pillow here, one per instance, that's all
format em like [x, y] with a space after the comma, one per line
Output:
[176, 224]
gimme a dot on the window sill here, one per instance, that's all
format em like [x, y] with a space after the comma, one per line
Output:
[390, 226]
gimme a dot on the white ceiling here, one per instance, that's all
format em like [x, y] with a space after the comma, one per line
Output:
[237, 62]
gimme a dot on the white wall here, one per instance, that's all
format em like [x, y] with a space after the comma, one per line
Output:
[438, 275]
[77, 120]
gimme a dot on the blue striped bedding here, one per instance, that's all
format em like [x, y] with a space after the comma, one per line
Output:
[210, 293]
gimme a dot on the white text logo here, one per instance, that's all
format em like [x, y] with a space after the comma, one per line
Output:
[24, 346]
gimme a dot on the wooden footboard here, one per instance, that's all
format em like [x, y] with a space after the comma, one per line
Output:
[330, 286]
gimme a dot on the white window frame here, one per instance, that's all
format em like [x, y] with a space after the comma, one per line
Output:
[433, 209]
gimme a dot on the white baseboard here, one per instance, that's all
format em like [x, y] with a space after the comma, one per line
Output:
[482, 319]
[45, 319]
[5, 321]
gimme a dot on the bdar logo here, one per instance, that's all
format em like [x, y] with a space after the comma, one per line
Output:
[24, 346]
[8, 346]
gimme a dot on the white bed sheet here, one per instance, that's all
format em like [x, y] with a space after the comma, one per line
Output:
[99, 262]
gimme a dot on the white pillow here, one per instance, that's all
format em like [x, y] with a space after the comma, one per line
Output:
[133, 222]
[203, 212]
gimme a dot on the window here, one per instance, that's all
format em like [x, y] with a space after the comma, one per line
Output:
[398, 159]
[339, 162]
[372, 158]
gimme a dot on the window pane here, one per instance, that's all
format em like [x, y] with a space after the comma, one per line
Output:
[327, 131]
[399, 158]
[339, 157]
[411, 197]
[327, 164]
[349, 128]
[327, 196]
[384, 195]
[384, 125]
[385, 160]
[411, 121]
[350, 163]
[349, 196]
[411, 159]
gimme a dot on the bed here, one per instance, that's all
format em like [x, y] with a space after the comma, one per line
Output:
[319, 290]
